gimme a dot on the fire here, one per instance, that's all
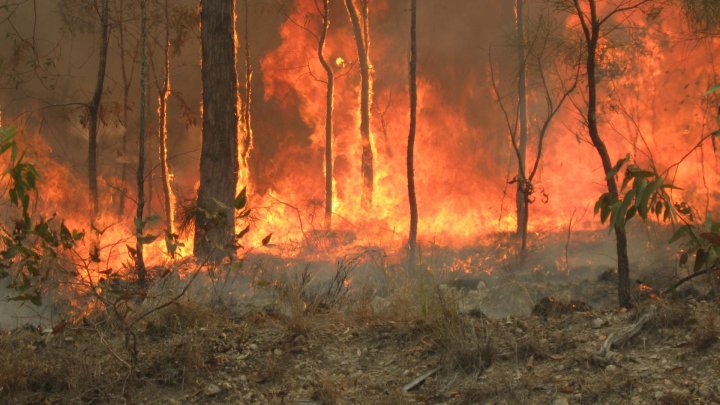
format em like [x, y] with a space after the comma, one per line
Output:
[653, 107]
[462, 168]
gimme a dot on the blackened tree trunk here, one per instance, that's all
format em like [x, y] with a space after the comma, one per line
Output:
[328, 114]
[412, 238]
[139, 220]
[94, 109]
[521, 196]
[591, 27]
[215, 221]
[168, 197]
[362, 40]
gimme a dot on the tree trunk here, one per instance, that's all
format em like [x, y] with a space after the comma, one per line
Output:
[328, 116]
[94, 109]
[521, 197]
[169, 198]
[140, 260]
[412, 239]
[362, 36]
[247, 142]
[126, 107]
[591, 31]
[215, 221]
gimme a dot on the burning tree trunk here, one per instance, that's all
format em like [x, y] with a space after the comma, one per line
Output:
[521, 198]
[247, 142]
[412, 239]
[169, 198]
[139, 221]
[362, 40]
[592, 25]
[328, 114]
[215, 219]
[94, 109]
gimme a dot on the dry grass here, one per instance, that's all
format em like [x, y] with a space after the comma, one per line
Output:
[326, 391]
[707, 332]
[465, 341]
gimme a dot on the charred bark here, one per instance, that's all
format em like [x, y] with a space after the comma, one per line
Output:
[362, 40]
[94, 109]
[329, 95]
[215, 219]
[412, 238]
[139, 220]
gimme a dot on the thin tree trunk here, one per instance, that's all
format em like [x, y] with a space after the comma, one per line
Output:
[328, 116]
[126, 101]
[521, 197]
[140, 259]
[169, 198]
[94, 109]
[591, 30]
[215, 222]
[412, 239]
[127, 83]
[362, 36]
[247, 143]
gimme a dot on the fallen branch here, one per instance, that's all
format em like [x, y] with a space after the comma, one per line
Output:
[684, 280]
[621, 336]
[418, 381]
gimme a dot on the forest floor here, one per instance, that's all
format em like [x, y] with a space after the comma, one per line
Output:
[480, 338]
[192, 353]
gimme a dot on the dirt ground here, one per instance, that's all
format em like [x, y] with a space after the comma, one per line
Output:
[473, 331]
[365, 352]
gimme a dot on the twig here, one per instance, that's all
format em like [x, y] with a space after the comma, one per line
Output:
[418, 381]
[684, 280]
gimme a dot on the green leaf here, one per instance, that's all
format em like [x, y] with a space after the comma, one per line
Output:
[644, 206]
[700, 260]
[77, 236]
[630, 213]
[680, 232]
[244, 232]
[712, 89]
[145, 239]
[241, 199]
[623, 209]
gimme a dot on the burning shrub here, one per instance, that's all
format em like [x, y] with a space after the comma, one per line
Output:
[31, 247]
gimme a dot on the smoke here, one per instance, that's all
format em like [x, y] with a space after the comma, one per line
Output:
[463, 149]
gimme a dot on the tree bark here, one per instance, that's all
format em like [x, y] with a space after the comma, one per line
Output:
[126, 107]
[94, 109]
[412, 238]
[521, 196]
[139, 220]
[328, 115]
[215, 221]
[169, 198]
[247, 143]
[362, 40]
[591, 29]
